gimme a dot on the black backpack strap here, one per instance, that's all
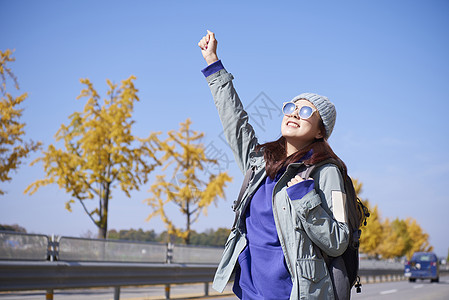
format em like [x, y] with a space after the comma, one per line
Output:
[249, 174]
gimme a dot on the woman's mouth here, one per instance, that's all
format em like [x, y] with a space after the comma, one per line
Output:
[292, 124]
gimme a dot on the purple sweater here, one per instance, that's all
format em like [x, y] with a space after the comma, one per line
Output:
[263, 273]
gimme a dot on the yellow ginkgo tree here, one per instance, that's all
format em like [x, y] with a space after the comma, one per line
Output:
[13, 149]
[100, 153]
[419, 238]
[390, 239]
[184, 157]
[394, 242]
[372, 231]
[402, 238]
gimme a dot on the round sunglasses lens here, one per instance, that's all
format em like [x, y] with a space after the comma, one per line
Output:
[305, 112]
[288, 108]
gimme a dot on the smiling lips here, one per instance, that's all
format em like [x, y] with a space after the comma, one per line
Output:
[292, 124]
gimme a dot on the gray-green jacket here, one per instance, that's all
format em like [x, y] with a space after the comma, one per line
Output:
[304, 225]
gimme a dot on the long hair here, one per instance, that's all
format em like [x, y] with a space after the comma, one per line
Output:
[276, 158]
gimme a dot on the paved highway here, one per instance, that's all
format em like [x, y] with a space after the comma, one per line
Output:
[405, 290]
[378, 291]
[418, 290]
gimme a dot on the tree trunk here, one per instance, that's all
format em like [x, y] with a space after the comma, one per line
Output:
[187, 239]
[103, 228]
[102, 232]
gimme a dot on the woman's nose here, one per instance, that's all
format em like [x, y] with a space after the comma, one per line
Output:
[295, 113]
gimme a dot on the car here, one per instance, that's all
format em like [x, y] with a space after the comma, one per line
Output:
[422, 265]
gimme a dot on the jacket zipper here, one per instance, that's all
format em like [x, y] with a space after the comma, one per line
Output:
[276, 219]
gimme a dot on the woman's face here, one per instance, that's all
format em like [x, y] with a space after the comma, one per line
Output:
[301, 132]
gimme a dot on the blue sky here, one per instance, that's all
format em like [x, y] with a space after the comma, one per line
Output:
[384, 64]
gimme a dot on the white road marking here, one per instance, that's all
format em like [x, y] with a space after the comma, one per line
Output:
[388, 292]
[418, 286]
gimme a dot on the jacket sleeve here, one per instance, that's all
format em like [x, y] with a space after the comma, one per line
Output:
[318, 211]
[239, 133]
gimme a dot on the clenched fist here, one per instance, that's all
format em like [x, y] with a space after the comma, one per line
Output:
[208, 45]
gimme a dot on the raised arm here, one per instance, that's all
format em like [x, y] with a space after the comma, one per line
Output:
[238, 132]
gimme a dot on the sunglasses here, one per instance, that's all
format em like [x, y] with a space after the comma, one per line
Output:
[304, 111]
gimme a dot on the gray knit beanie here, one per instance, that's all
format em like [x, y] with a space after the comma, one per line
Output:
[325, 108]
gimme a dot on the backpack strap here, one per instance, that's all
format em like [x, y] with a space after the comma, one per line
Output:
[307, 170]
[248, 176]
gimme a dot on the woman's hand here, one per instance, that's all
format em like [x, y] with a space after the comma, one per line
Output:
[208, 45]
[295, 180]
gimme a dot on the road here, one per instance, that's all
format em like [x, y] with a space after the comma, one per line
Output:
[405, 290]
[378, 291]
[398, 290]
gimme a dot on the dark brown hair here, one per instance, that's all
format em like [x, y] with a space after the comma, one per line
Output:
[276, 159]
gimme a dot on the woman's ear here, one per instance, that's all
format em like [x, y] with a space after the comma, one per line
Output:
[319, 135]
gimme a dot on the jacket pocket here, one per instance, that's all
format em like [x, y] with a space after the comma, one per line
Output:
[314, 280]
[313, 269]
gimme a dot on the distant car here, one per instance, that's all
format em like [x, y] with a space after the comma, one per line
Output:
[423, 265]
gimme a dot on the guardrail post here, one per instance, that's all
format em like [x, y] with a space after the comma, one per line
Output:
[49, 295]
[117, 293]
[206, 289]
[167, 291]
[53, 248]
[169, 253]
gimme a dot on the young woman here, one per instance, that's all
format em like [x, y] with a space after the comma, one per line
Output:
[286, 224]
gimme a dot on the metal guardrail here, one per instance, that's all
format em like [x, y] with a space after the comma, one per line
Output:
[46, 275]
[26, 275]
[38, 262]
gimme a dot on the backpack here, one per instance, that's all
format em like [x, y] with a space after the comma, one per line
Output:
[357, 214]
